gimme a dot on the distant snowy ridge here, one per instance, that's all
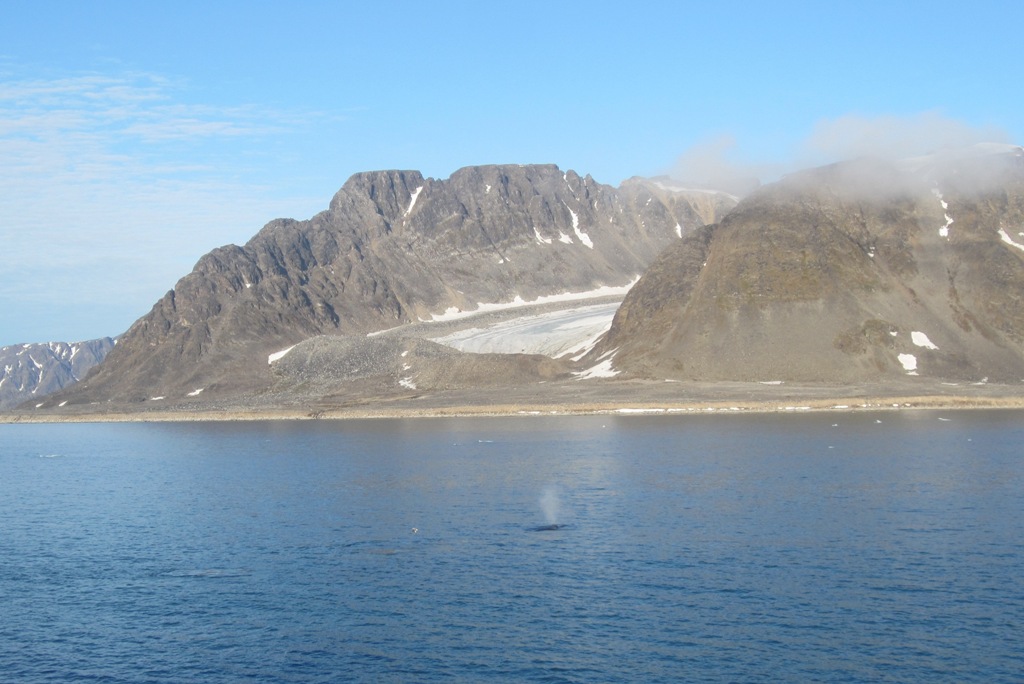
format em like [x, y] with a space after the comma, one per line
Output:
[671, 186]
[31, 371]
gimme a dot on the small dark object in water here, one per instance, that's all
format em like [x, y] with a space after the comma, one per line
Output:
[546, 528]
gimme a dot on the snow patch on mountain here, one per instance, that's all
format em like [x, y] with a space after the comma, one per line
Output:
[921, 340]
[1005, 237]
[602, 369]
[909, 363]
[944, 230]
[583, 237]
[412, 199]
[278, 355]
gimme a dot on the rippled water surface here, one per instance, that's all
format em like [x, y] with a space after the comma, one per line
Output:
[839, 547]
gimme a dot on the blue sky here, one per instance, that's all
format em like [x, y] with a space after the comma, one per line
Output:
[136, 136]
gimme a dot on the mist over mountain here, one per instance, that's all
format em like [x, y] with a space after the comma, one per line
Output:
[853, 272]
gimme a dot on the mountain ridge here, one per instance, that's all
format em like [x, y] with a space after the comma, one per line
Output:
[392, 248]
[858, 277]
[834, 274]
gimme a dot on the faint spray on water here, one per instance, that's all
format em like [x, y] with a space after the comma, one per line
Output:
[550, 504]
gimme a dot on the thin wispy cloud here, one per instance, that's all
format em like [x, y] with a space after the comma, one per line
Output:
[117, 121]
[893, 137]
[720, 162]
[112, 186]
[191, 128]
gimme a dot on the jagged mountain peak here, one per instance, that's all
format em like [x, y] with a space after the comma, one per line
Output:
[387, 189]
[393, 247]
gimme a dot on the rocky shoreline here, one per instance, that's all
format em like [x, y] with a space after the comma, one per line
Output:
[620, 398]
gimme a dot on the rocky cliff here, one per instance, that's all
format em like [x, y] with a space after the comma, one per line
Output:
[854, 272]
[32, 371]
[393, 248]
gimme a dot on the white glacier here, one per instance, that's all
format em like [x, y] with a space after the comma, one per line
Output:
[555, 334]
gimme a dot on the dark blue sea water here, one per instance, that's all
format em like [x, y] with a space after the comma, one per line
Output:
[838, 547]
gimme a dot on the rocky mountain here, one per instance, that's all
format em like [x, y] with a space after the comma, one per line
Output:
[32, 371]
[849, 273]
[393, 248]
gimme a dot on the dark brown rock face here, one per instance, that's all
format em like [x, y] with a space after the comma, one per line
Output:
[393, 248]
[847, 273]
